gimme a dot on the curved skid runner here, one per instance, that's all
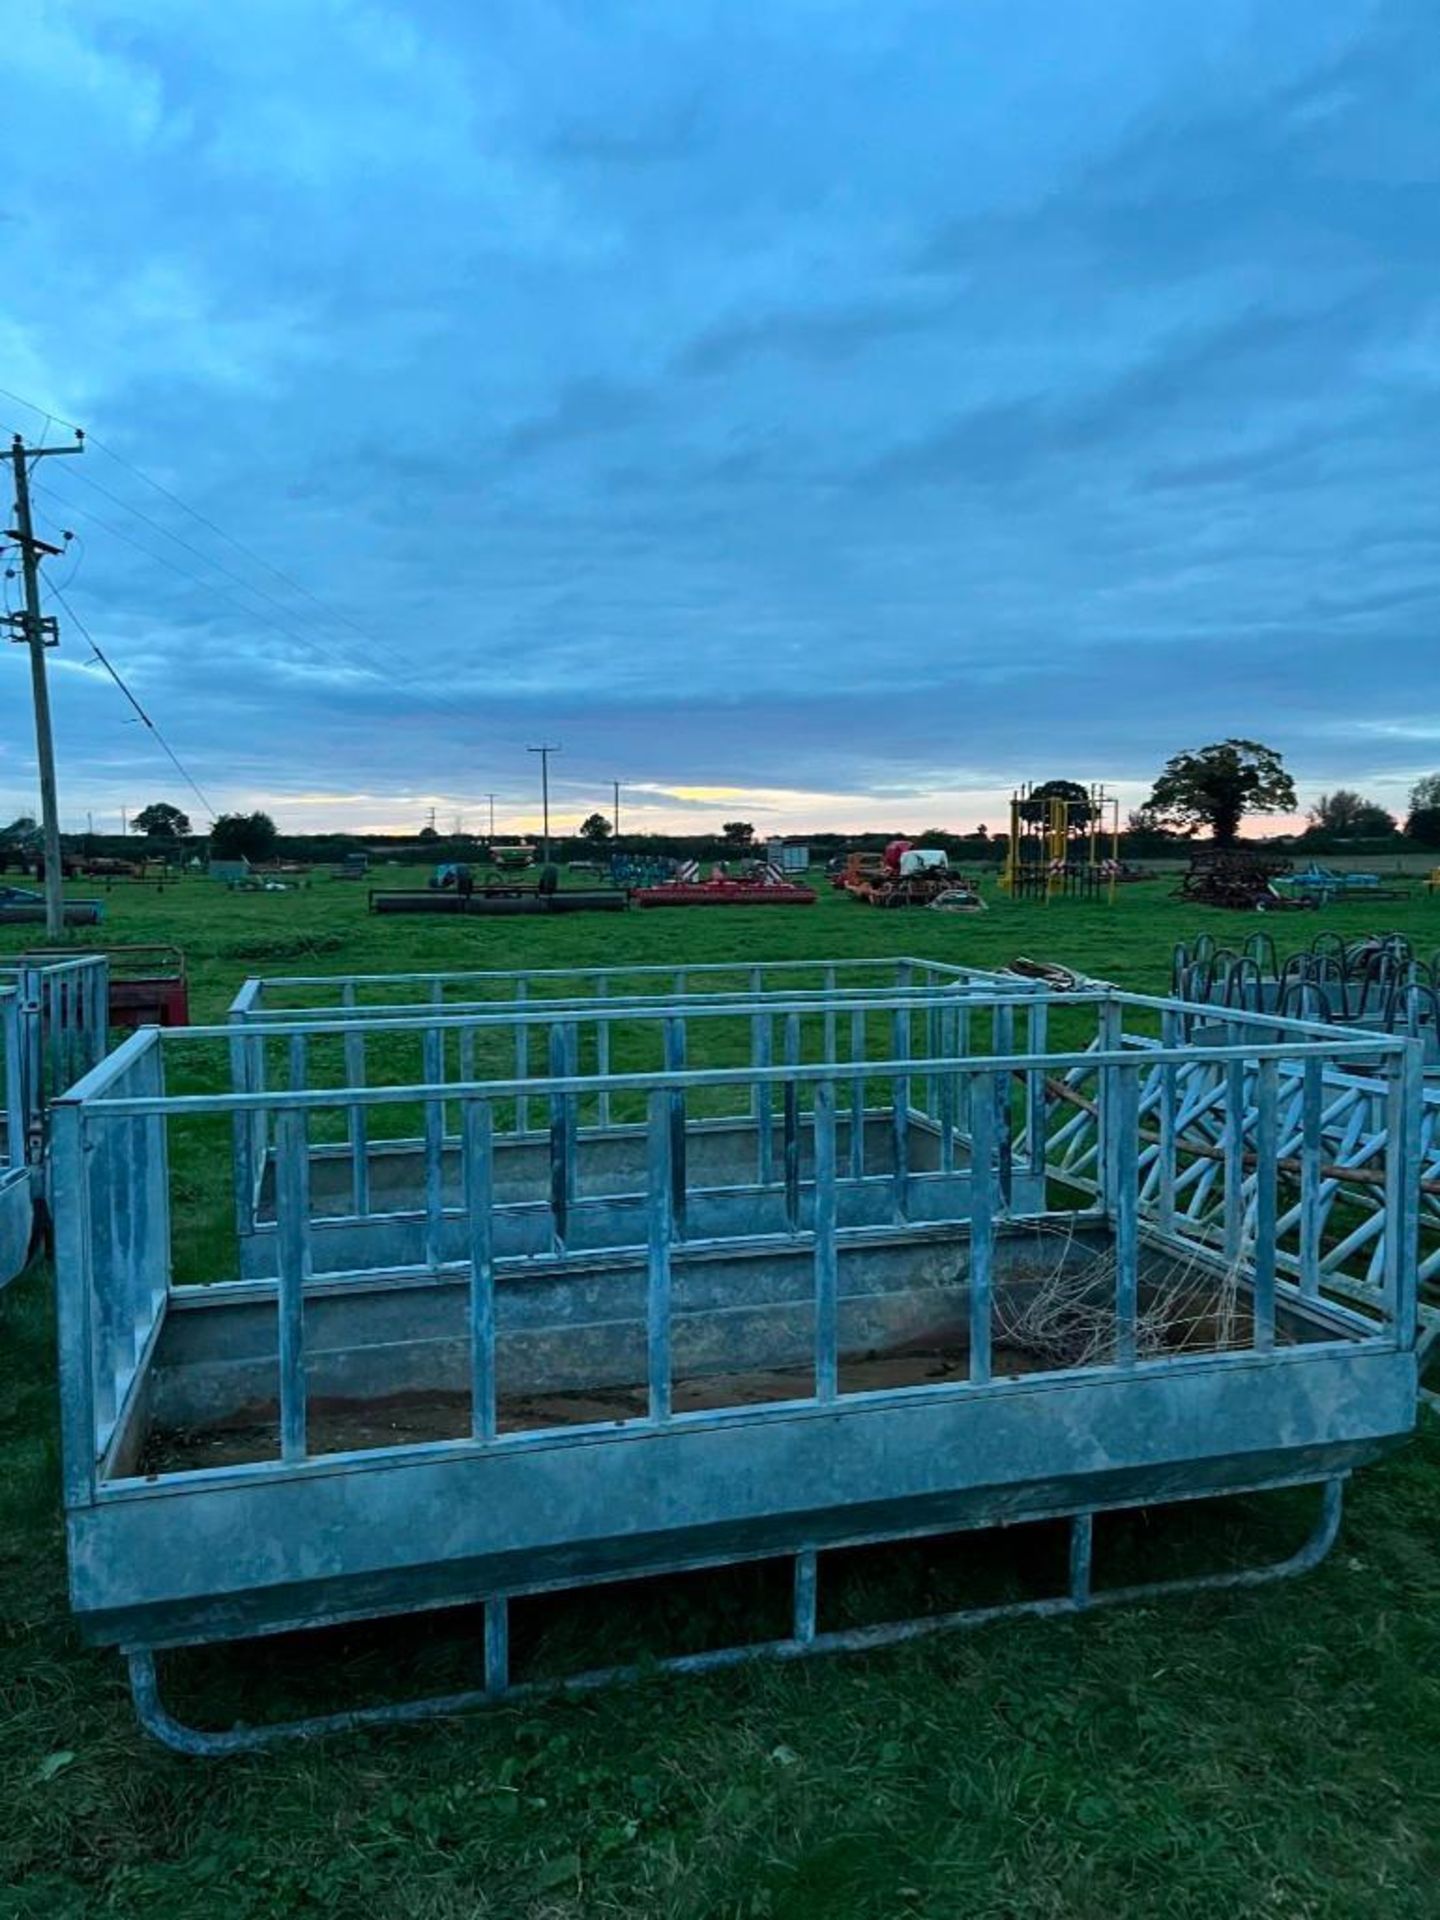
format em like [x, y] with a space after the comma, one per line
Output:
[804, 1640]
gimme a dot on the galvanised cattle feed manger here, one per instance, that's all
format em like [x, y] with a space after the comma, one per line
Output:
[883, 1350]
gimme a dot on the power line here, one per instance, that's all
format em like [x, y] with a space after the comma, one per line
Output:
[161, 741]
[207, 586]
[249, 553]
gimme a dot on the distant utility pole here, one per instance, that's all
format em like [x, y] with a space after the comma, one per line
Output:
[40, 631]
[491, 798]
[616, 785]
[544, 753]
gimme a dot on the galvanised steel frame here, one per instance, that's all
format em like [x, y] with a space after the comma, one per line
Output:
[52, 1030]
[1377, 982]
[1321, 1379]
[1336, 1118]
[16, 1205]
[287, 995]
[377, 1200]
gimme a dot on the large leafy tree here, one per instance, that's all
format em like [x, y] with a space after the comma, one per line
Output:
[1217, 786]
[1076, 798]
[1350, 816]
[1425, 793]
[243, 836]
[596, 830]
[1423, 826]
[161, 821]
[739, 833]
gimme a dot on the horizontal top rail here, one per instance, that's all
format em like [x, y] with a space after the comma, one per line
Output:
[1002, 994]
[508, 1012]
[321, 1098]
[1258, 1035]
[649, 969]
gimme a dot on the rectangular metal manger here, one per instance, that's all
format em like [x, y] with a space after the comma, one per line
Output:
[253, 1455]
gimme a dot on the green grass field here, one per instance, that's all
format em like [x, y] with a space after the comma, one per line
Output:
[1276, 1752]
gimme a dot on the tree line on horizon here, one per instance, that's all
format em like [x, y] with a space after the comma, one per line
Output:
[1209, 790]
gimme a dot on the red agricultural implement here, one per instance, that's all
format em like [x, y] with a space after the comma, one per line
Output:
[148, 987]
[766, 887]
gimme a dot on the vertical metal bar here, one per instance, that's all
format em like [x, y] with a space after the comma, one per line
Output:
[857, 1095]
[477, 1148]
[1169, 1037]
[74, 1301]
[1404, 1096]
[522, 1057]
[761, 1055]
[1122, 1098]
[930, 1097]
[497, 1644]
[602, 1049]
[561, 1176]
[299, 1052]
[982, 1222]
[433, 1070]
[828, 978]
[1037, 1041]
[944, 1076]
[1312, 1107]
[1234, 1151]
[826, 1263]
[1004, 1044]
[292, 1197]
[357, 1121]
[247, 1174]
[806, 1580]
[660, 1196]
[1082, 1557]
[675, 1063]
[900, 1113]
[791, 1120]
[1110, 1042]
[1266, 1116]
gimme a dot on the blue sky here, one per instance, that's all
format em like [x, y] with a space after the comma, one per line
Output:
[821, 412]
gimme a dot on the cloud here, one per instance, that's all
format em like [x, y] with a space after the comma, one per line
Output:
[862, 408]
[585, 408]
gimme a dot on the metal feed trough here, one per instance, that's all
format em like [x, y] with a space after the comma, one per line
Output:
[52, 1030]
[255, 1455]
[380, 1200]
[1375, 984]
[1375, 981]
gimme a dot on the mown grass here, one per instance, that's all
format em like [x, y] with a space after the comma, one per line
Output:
[1273, 1752]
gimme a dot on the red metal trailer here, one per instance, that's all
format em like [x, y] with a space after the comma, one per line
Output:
[148, 987]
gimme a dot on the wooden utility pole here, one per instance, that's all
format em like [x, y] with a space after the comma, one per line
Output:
[616, 785]
[39, 631]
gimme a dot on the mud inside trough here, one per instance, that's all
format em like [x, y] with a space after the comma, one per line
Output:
[343, 1424]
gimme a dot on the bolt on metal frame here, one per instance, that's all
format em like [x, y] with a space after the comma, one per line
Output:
[1322, 1380]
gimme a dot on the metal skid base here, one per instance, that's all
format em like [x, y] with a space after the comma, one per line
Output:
[805, 1639]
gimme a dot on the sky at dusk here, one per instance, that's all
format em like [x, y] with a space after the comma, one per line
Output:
[824, 414]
